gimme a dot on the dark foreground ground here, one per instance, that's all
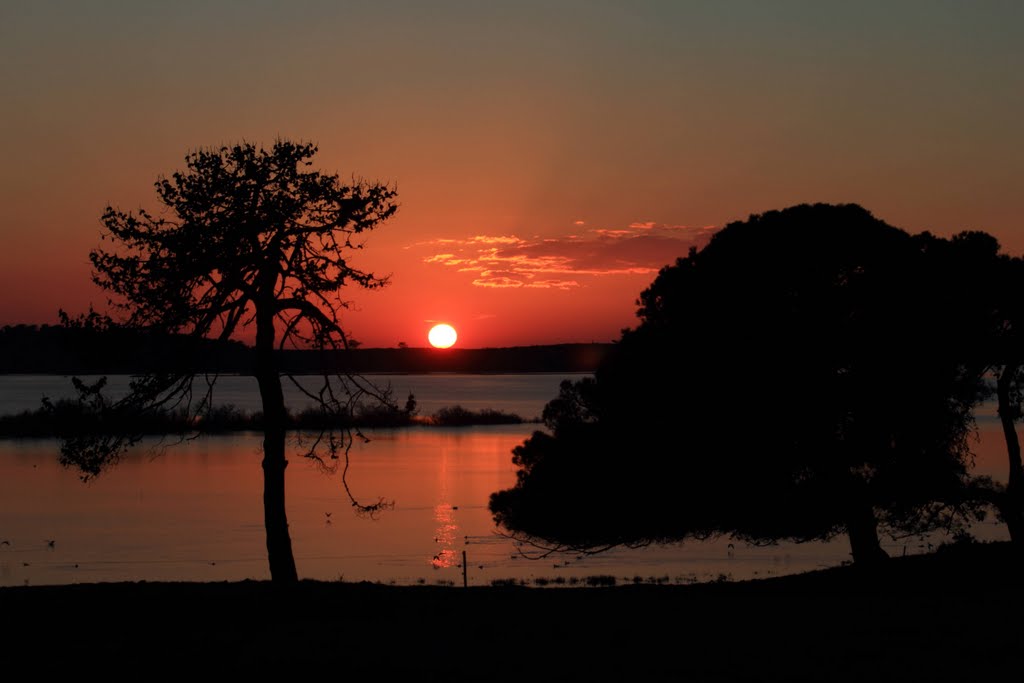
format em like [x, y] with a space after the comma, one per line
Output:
[955, 615]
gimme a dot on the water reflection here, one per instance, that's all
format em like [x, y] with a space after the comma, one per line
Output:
[195, 514]
[524, 394]
[447, 531]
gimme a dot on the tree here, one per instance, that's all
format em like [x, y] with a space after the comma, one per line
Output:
[1002, 277]
[983, 287]
[1010, 500]
[248, 238]
[803, 375]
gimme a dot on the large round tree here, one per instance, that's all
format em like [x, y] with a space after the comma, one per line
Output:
[810, 372]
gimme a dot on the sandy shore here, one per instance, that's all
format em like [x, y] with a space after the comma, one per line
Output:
[954, 615]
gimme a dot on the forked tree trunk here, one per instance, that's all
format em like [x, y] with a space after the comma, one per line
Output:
[279, 542]
[1011, 506]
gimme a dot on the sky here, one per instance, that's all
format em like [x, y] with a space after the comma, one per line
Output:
[549, 157]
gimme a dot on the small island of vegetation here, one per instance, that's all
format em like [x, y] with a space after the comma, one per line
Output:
[69, 418]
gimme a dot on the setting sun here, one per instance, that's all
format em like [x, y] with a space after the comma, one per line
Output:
[442, 336]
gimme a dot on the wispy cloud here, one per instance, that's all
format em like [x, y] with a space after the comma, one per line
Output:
[564, 262]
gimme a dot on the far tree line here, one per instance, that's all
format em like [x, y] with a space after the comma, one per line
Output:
[810, 372]
[87, 346]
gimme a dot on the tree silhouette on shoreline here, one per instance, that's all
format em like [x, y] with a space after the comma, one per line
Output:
[997, 279]
[247, 238]
[809, 373]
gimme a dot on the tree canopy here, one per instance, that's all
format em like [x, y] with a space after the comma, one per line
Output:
[810, 372]
[245, 231]
[247, 238]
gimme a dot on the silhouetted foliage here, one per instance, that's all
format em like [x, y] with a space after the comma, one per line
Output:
[1002, 280]
[246, 238]
[71, 419]
[457, 416]
[810, 372]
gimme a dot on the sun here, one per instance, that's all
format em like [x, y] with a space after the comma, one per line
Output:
[442, 336]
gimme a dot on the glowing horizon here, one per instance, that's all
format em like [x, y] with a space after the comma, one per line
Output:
[548, 159]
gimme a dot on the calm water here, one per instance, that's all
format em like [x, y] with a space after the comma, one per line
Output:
[524, 395]
[194, 511]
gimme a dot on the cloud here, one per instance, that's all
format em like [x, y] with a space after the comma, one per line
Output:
[506, 282]
[564, 262]
[553, 284]
[486, 239]
[498, 282]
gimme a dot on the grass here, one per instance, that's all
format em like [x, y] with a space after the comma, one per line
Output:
[69, 418]
[950, 615]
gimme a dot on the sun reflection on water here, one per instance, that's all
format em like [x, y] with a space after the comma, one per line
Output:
[445, 539]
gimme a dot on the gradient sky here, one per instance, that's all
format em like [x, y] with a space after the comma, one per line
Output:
[549, 156]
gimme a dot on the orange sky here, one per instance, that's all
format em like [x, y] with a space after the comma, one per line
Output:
[549, 157]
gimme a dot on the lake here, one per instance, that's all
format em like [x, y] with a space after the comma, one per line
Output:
[524, 395]
[193, 511]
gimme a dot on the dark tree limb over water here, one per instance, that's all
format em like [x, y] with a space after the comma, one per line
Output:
[246, 237]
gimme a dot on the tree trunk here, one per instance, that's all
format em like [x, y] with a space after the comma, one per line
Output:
[279, 542]
[1012, 506]
[862, 528]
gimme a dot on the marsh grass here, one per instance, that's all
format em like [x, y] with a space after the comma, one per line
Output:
[67, 417]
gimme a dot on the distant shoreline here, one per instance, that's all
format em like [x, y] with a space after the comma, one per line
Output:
[51, 350]
[384, 373]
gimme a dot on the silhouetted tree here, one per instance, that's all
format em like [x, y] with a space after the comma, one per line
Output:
[982, 294]
[1003, 278]
[1010, 501]
[803, 375]
[246, 238]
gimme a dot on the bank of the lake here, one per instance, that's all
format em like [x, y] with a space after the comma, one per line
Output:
[952, 615]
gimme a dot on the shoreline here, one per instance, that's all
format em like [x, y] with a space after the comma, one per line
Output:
[944, 616]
